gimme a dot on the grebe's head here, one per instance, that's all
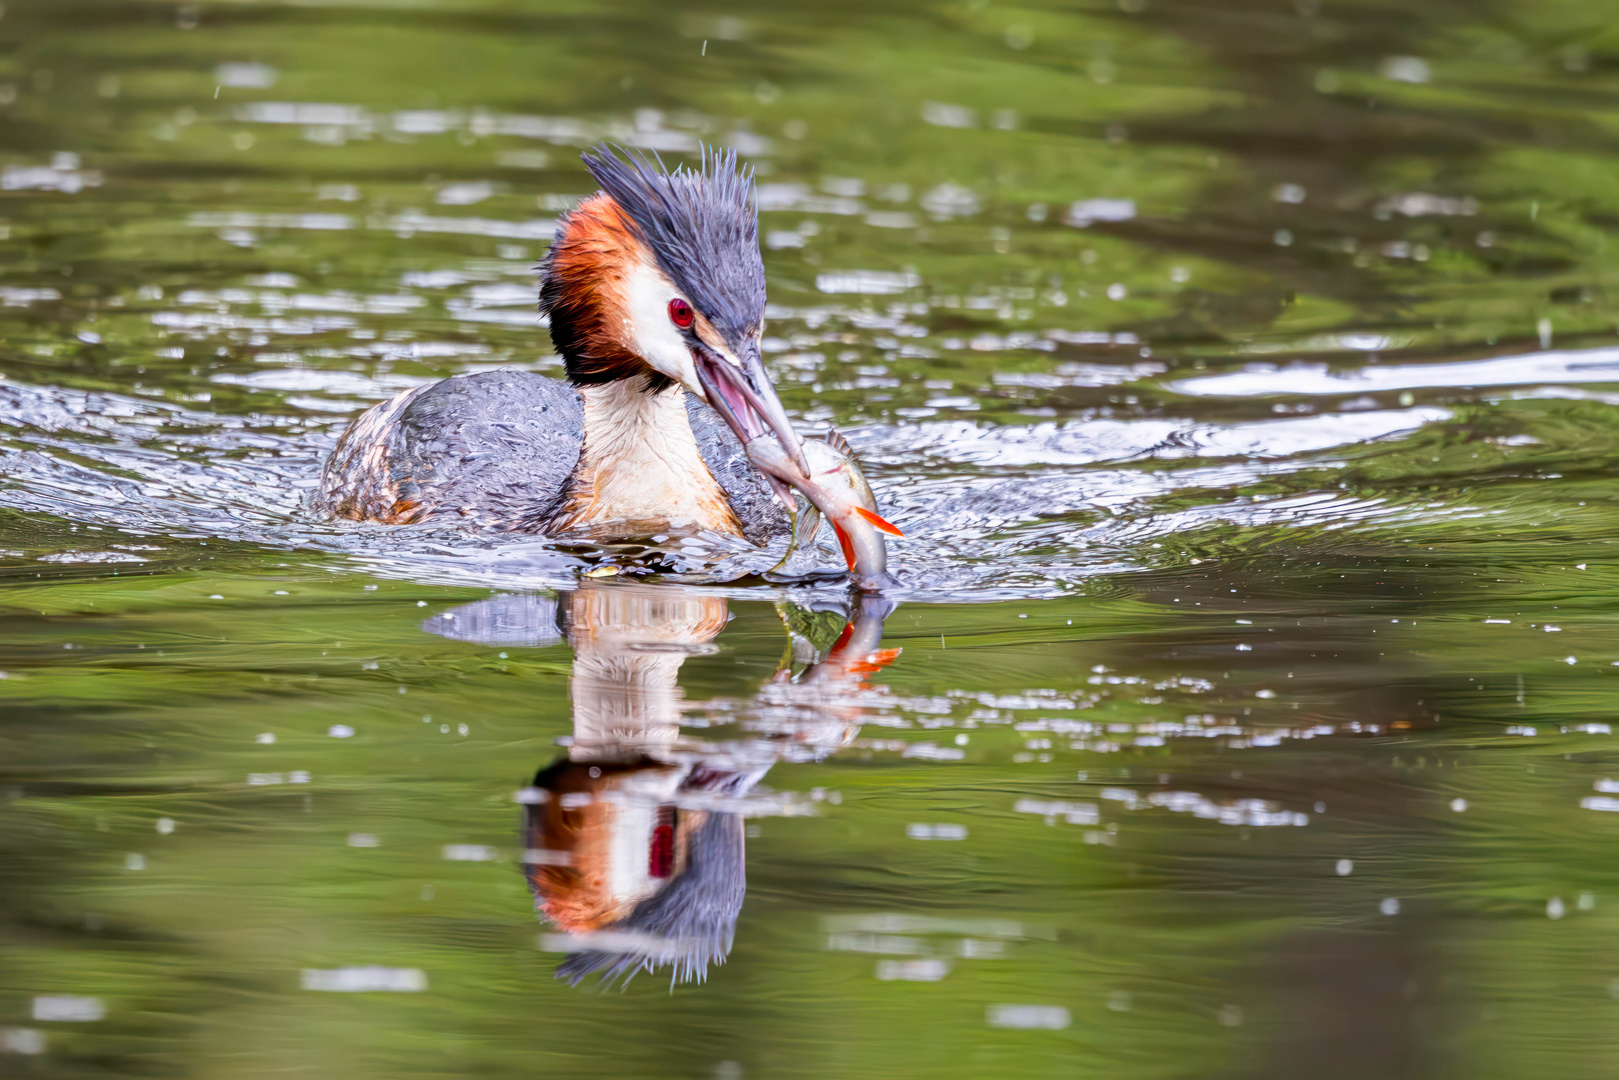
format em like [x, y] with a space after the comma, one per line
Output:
[658, 275]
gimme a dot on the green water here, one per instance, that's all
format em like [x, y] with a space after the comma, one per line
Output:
[1243, 374]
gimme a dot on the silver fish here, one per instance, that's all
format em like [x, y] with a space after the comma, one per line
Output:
[836, 488]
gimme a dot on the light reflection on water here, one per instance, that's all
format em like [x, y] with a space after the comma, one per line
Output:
[1241, 375]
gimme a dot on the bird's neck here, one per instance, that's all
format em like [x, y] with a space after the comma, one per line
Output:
[639, 469]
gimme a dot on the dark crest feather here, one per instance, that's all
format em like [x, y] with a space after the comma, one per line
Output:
[701, 225]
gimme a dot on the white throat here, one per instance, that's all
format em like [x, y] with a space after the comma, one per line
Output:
[639, 468]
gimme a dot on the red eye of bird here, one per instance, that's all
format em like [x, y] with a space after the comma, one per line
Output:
[681, 314]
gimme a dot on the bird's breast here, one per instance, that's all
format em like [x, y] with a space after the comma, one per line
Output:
[639, 464]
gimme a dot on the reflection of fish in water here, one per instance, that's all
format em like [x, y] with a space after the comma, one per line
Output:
[837, 488]
[846, 656]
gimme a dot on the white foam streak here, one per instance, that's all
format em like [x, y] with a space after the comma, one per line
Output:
[1257, 380]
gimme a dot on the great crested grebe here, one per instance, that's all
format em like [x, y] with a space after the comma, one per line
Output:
[655, 292]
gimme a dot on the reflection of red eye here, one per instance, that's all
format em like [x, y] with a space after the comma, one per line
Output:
[681, 314]
[661, 852]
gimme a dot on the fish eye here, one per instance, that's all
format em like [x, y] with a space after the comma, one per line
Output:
[681, 314]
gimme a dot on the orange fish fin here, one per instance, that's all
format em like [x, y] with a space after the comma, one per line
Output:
[875, 662]
[843, 541]
[878, 521]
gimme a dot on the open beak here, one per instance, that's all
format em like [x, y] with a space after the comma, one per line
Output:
[747, 402]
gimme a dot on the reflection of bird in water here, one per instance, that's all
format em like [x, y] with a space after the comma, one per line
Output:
[655, 292]
[613, 850]
[646, 881]
[634, 838]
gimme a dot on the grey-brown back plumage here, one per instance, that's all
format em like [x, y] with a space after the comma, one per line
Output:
[497, 449]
